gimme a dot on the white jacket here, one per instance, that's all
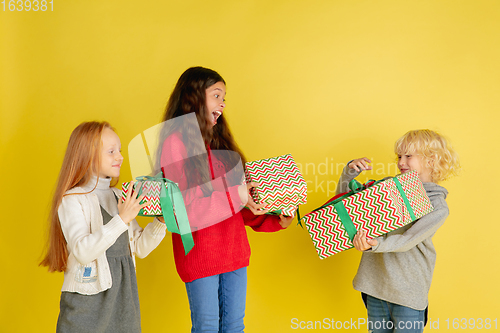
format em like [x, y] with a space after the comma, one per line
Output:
[88, 239]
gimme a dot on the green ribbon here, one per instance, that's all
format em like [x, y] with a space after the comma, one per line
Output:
[356, 186]
[405, 198]
[173, 209]
[345, 219]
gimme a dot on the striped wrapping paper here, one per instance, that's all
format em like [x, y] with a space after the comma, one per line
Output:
[154, 209]
[378, 210]
[281, 185]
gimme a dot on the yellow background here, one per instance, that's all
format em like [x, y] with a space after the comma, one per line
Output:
[327, 81]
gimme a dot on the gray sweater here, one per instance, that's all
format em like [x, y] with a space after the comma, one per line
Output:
[399, 268]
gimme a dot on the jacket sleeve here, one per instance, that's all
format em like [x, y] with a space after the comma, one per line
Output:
[85, 245]
[261, 223]
[405, 238]
[146, 240]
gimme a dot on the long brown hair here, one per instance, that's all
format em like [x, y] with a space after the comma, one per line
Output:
[81, 161]
[189, 96]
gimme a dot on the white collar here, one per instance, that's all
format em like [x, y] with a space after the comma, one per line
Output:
[102, 184]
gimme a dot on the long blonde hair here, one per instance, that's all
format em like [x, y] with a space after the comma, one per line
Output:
[436, 151]
[81, 161]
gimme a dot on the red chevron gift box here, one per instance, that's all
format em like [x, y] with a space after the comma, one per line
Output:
[378, 209]
[281, 185]
[154, 187]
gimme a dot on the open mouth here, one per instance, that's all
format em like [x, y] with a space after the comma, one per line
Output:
[216, 115]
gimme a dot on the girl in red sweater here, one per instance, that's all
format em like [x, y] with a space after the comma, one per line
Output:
[199, 153]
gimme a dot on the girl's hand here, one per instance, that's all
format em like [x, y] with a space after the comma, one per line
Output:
[129, 208]
[286, 220]
[360, 164]
[246, 198]
[361, 243]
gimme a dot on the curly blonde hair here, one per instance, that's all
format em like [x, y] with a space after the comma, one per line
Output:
[435, 150]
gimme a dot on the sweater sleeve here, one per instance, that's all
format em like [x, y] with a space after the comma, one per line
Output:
[261, 223]
[202, 210]
[85, 245]
[405, 238]
[347, 175]
[147, 239]
[144, 240]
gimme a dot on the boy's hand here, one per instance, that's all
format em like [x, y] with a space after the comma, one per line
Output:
[360, 164]
[361, 243]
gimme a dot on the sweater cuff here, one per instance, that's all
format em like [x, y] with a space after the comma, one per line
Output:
[158, 228]
[115, 227]
[351, 172]
[374, 248]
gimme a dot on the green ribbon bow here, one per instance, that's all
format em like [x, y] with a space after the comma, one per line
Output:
[173, 209]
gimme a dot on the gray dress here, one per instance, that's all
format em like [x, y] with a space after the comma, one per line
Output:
[113, 310]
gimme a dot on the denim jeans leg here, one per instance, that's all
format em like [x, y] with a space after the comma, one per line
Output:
[385, 317]
[379, 316]
[407, 320]
[204, 304]
[232, 300]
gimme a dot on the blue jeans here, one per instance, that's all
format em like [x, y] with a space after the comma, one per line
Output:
[218, 302]
[386, 317]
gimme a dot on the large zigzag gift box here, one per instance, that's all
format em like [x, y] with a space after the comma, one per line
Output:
[281, 185]
[378, 209]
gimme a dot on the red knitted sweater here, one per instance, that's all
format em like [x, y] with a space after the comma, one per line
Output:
[221, 242]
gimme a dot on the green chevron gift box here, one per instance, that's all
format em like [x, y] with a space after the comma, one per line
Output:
[153, 196]
[281, 185]
[165, 200]
[377, 208]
